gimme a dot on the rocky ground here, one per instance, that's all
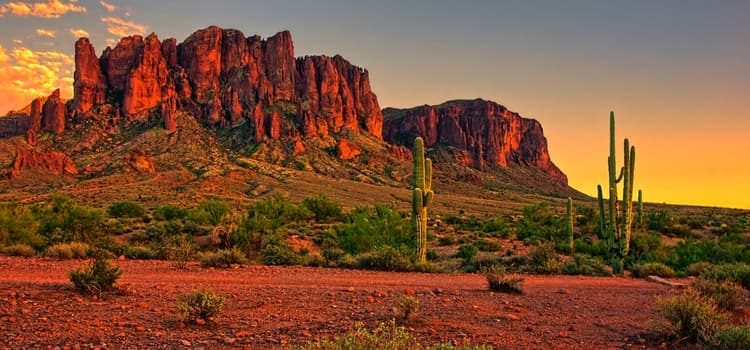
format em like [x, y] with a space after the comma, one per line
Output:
[280, 307]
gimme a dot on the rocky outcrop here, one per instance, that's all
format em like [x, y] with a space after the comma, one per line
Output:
[35, 121]
[54, 113]
[139, 161]
[485, 130]
[89, 84]
[55, 163]
[347, 150]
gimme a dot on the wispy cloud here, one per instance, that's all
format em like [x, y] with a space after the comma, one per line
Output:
[78, 33]
[121, 27]
[17, 41]
[108, 6]
[30, 74]
[48, 9]
[46, 32]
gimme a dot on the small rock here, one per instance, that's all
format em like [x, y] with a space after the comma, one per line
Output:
[140, 329]
[185, 342]
[229, 340]
[563, 334]
[513, 317]
[200, 321]
[306, 334]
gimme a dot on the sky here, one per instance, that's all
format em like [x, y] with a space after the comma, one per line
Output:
[675, 72]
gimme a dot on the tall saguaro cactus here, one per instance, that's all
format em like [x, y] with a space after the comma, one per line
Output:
[570, 219]
[618, 225]
[422, 196]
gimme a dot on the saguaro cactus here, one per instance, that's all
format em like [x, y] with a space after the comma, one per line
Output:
[617, 226]
[570, 225]
[422, 196]
[639, 213]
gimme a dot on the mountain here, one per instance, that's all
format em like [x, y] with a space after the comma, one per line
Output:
[220, 103]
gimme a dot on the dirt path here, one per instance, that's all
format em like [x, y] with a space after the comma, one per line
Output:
[270, 307]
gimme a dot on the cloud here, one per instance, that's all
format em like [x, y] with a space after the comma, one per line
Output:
[46, 32]
[111, 41]
[121, 27]
[78, 33]
[31, 74]
[49, 9]
[108, 6]
[17, 41]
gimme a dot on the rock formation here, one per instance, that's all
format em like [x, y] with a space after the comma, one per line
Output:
[53, 113]
[89, 84]
[55, 163]
[487, 131]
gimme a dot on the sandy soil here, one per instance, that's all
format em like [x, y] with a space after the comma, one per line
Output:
[279, 307]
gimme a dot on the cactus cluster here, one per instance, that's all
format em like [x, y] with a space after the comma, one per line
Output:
[616, 225]
[422, 196]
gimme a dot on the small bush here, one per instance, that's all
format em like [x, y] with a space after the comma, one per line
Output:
[446, 240]
[698, 268]
[406, 307]
[725, 294]
[169, 213]
[689, 317]
[467, 252]
[653, 269]
[199, 305]
[278, 252]
[323, 209]
[126, 209]
[180, 250]
[385, 258]
[223, 258]
[544, 259]
[737, 273]
[500, 281]
[731, 338]
[587, 266]
[96, 278]
[139, 253]
[18, 250]
[67, 251]
[487, 245]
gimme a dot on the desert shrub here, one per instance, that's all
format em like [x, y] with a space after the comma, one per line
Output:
[586, 265]
[487, 245]
[467, 252]
[427, 267]
[677, 230]
[100, 276]
[446, 240]
[278, 252]
[501, 281]
[593, 247]
[698, 268]
[179, 250]
[18, 250]
[385, 258]
[646, 247]
[169, 212]
[688, 317]
[544, 259]
[71, 250]
[126, 209]
[199, 305]
[222, 258]
[367, 228]
[483, 261]
[323, 209]
[314, 260]
[657, 220]
[725, 294]
[653, 269]
[731, 338]
[18, 226]
[737, 273]
[139, 253]
[496, 227]
[210, 212]
[406, 307]
[540, 224]
[63, 220]
[332, 254]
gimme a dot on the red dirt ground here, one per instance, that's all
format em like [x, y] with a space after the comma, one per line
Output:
[273, 307]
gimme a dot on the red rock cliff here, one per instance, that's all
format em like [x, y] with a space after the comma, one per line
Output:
[486, 130]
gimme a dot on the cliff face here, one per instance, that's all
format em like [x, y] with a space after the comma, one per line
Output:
[487, 131]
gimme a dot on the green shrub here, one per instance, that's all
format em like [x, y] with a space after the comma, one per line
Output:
[179, 250]
[100, 276]
[725, 294]
[731, 338]
[446, 240]
[689, 317]
[199, 305]
[545, 260]
[496, 227]
[278, 252]
[18, 250]
[385, 258]
[369, 227]
[387, 336]
[698, 268]
[586, 265]
[63, 220]
[126, 209]
[653, 269]
[406, 307]
[500, 281]
[323, 209]
[737, 273]
[169, 212]
[467, 252]
[487, 245]
[67, 251]
[222, 258]
[19, 226]
[139, 253]
[211, 212]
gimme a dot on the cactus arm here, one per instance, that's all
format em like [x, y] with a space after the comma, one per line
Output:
[602, 215]
[428, 174]
[570, 225]
[639, 220]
